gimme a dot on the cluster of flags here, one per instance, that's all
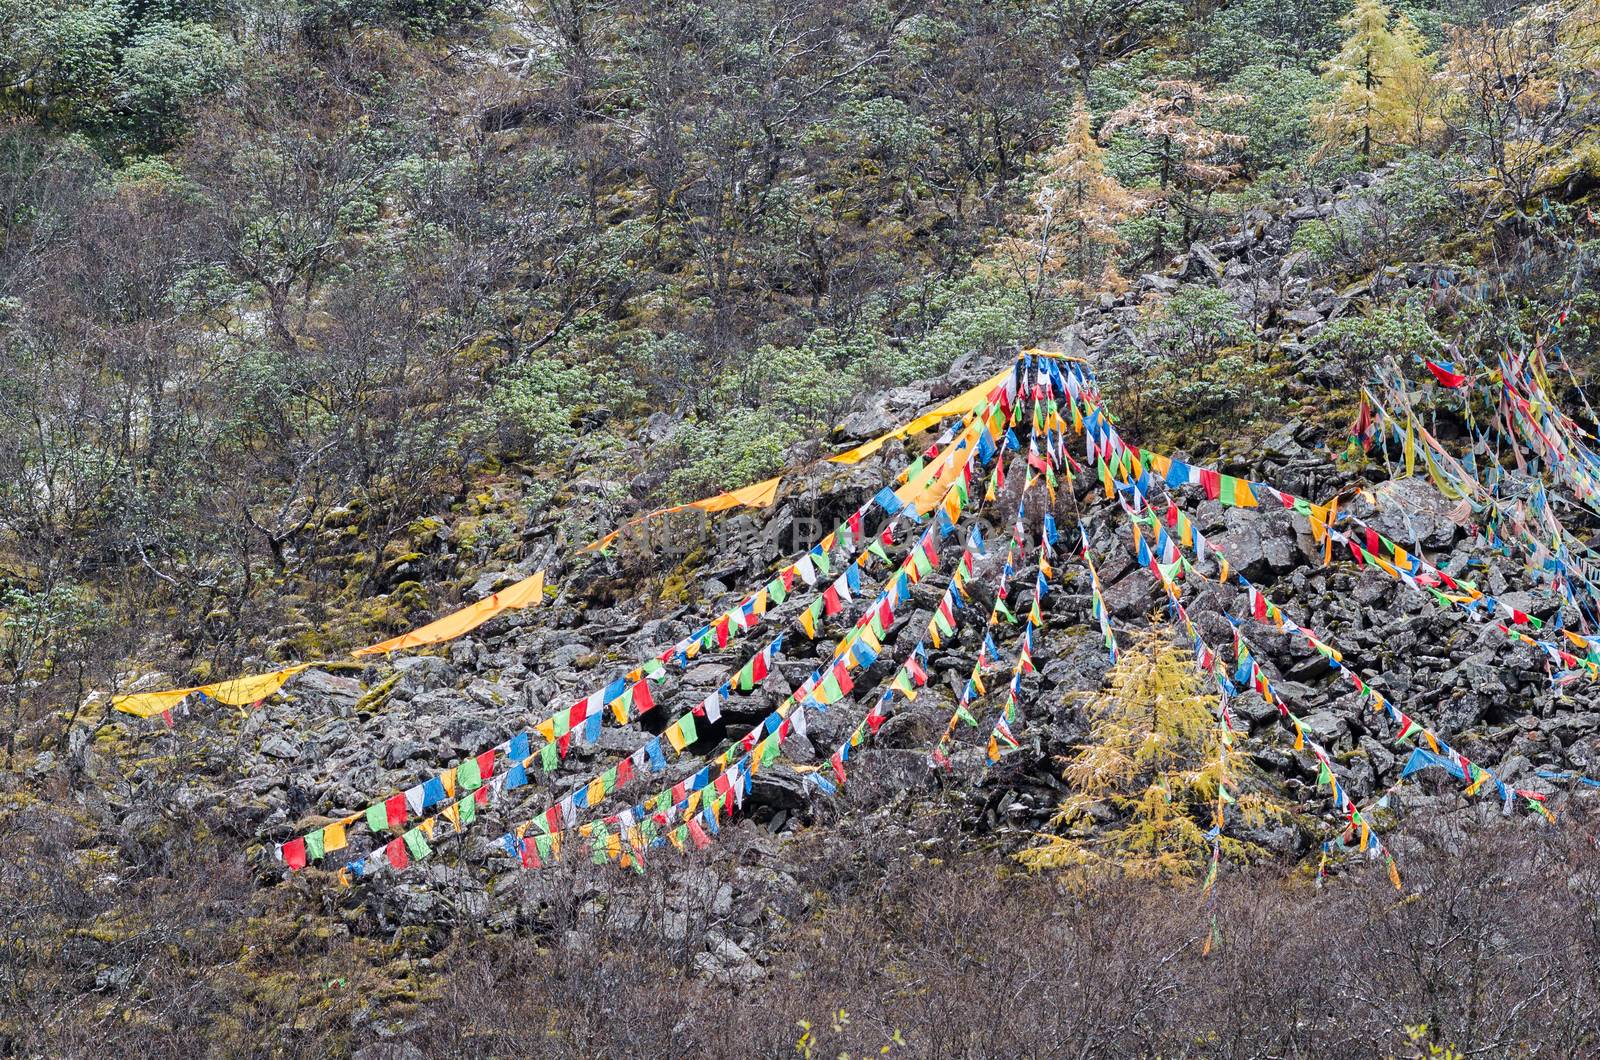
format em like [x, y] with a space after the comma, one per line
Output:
[936, 492]
[689, 810]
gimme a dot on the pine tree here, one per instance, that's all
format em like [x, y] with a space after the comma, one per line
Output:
[1145, 784]
[1173, 119]
[1068, 243]
[1385, 92]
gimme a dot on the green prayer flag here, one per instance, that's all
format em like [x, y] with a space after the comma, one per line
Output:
[468, 778]
[562, 723]
[831, 690]
[769, 749]
[1324, 775]
[686, 726]
[824, 563]
[543, 843]
[654, 669]
[745, 680]
[314, 845]
[776, 592]
[467, 808]
[966, 715]
[876, 548]
[377, 817]
[608, 780]
[548, 757]
[1000, 606]
[417, 843]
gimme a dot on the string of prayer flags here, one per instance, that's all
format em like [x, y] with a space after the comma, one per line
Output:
[761, 746]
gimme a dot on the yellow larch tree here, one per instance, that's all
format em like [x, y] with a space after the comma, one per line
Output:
[1386, 90]
[1067, 244]
[1144, 787]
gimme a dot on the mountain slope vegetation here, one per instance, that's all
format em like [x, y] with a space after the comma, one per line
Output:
[320, 318]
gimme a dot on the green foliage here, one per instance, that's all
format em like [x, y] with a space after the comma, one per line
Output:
[807, 385]
[1315, 238]
[1395, 330]
[1293, 36]
[1275, 117]
[535, 400]
[167, 67]
[1189, 363]
[121, 71]
[742, 447]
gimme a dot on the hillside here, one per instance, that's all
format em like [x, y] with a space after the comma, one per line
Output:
[1105, 497]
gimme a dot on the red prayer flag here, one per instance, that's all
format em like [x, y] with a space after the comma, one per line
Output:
[294, 853]
[394, 807]
[486, 764]
[830, 601]
[643, 700]
[397, 854]
[530, 853]
[698, 832]
[1446, 378]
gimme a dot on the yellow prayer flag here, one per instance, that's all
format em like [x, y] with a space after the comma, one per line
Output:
[333, 837]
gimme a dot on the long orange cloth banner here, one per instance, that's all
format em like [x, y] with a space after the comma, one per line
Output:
[762, 494]
[921, 490]
[238, 691]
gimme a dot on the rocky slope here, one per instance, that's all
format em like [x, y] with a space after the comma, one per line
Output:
[338, 738]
